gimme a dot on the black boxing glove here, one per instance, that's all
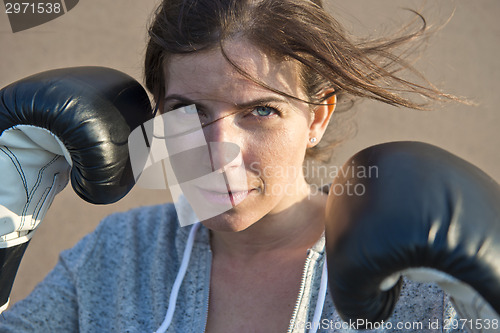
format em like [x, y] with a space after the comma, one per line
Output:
[417, 210]
[72, 121]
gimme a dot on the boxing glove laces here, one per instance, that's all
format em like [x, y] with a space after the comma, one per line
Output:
[62, 124]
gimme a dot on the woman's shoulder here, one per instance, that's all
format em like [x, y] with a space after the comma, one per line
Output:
[167, 220]
[141, 221]
[423, 306]
[131, 234]
[420, 302]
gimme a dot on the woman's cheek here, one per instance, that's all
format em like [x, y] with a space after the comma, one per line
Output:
[276, 158]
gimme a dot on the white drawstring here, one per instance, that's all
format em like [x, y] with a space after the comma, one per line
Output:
[321, 300]
[178, 280]
[182, 271]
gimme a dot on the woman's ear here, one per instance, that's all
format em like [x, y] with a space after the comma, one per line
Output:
[321, 117]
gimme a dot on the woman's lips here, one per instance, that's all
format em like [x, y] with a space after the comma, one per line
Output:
[223, 198]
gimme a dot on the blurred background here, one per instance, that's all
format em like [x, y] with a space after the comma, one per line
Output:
[461, 58]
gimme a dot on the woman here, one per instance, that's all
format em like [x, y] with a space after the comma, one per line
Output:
[286, 62]
[265, 76]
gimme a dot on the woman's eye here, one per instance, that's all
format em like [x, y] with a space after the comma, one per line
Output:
[189, 109]
[177, 107]
[264, 111]
[183, 109]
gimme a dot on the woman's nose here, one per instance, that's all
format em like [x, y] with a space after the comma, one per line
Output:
[222, 129]
[223, 138]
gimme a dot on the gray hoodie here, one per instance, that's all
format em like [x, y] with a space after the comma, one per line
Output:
[119, 279]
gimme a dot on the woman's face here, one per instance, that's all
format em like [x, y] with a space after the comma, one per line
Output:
[271, 131]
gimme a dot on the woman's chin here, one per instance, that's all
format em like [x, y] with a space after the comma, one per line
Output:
[229, 222]
[238, 218]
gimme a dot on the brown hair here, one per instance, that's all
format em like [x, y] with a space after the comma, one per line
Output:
[300, 30]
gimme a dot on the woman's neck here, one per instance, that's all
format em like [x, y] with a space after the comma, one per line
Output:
[294, 229]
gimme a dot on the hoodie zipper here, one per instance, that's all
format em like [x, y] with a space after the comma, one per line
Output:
[207, 298]
[297, 302]
[301, 291]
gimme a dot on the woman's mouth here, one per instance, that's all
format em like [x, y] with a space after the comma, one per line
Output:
[232, 198]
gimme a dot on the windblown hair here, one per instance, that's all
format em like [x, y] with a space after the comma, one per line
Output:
[299, 30]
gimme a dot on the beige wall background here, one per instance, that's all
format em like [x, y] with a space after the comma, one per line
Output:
[461, 58]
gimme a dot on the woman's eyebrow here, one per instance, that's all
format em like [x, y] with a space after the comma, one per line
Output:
[181, 99]
[262, 101]
[245, 105]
